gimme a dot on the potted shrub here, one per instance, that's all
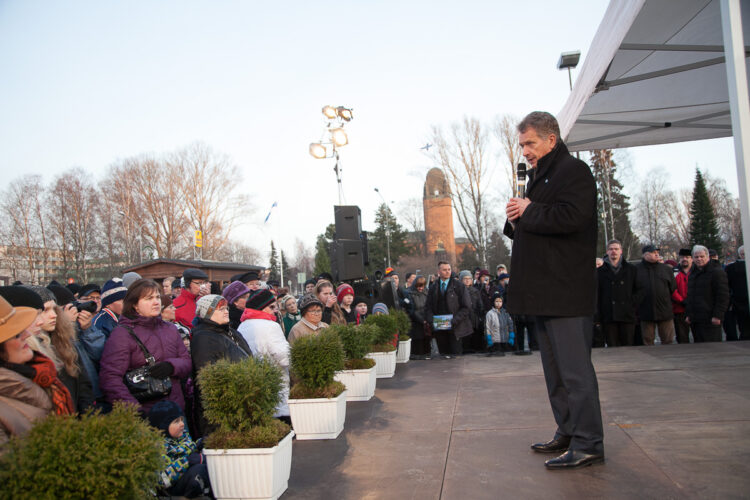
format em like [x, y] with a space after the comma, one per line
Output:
[249, 454]
[359, 373]
[317, 403]
[94, 456]
[382, 350]
[403, 326]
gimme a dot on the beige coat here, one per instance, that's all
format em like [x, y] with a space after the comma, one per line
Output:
[21, 403]
[303, 328]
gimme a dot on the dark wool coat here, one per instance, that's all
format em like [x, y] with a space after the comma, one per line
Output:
[618, 293]
[736, 275]
[416, 311]
[457, 302]
[708, 293]
[657, 284]
[554, 242]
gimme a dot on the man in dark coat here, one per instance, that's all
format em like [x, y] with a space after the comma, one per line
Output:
[617, 297]
[554, 230]
[447, 296]
[737, 277]
[657, 282]
[708, 297]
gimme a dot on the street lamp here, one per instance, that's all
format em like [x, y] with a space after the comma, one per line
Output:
[387, 227]
[337, 117]
[569, 60]
[140, 234]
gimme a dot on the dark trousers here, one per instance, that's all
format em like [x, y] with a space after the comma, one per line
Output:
[192, 483]
[524, 323]
[447, 342]
[420, 346]
[618, 333]
[681, 328]
[706, 332]
[565, 348]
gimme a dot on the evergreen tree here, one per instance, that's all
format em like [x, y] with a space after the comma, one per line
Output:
[273, 263]
[284, 267]
[497, 252]
[613, 206]
[703, 227]
[378, 240]
[468, 259]
[322, 255]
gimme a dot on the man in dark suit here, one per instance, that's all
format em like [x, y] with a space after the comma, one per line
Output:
[448, 297]
[554, 279]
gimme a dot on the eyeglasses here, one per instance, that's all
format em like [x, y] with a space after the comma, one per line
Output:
[199, 283]
[315, 311]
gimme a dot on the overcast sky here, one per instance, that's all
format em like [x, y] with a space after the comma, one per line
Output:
[84, 83]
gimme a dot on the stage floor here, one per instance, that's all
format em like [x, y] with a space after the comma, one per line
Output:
[676, 425]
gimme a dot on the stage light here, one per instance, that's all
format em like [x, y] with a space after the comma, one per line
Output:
[344, 113]
[338, 137]
[317, 150]
[329, 112]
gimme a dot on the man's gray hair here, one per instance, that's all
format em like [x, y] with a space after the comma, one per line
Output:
[699, 249]
[741, 251]
[542, 122]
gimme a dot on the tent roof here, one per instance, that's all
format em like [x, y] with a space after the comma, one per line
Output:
[654, 74]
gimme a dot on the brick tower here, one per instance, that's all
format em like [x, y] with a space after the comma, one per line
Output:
[438, 217]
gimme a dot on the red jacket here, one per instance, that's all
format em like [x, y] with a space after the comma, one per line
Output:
[679, 296]
[185, 308]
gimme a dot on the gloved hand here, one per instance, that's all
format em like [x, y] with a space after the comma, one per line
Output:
[162, 369]
[489, 340]
[512, 338]
[199, 444]
[195, 458]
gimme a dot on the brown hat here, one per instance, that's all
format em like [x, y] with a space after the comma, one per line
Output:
[14, 320]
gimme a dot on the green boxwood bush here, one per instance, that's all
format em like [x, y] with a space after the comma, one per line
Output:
[315, 359]
[357, 341]
[240, 399]
[384, 334]
[112, 456]
[403, 323]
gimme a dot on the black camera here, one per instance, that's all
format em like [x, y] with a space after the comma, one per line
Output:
[88, 305]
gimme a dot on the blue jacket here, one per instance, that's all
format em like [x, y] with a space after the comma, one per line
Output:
[105, 321]
[90, 345]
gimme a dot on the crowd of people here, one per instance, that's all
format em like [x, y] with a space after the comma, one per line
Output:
[68, 349]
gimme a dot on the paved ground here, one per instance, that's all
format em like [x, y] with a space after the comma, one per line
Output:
[676, 418]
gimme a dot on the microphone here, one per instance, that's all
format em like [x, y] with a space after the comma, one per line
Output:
[521, 181]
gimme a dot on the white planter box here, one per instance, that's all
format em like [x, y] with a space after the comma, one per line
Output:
[404, 351]
[385, 363]
[251, 473]
[321, 418]
[360, 384]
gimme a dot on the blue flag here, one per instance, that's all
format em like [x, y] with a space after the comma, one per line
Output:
[269, 212]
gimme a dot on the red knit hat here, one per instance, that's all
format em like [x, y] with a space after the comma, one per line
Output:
[344, 290]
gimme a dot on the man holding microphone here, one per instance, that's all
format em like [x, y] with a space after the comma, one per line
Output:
[554, 231]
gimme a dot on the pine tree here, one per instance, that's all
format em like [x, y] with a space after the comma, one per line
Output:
[273, 263]
[322, 255]
[497, 251]
[613, 206]
[378, 240]
[703, 227]
[284, 267]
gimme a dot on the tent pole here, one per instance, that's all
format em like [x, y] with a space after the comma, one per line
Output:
[739, 103]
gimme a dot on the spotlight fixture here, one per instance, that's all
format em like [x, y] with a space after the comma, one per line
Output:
[339, 138]
[344, 113]
[317, 150]
[329, 112]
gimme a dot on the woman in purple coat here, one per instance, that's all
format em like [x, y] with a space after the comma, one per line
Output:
[141, 314]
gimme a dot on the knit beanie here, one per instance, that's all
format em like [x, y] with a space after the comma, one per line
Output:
[164, 413]
[234, 291]
[207, 305]
[112, 291]
[309, 300]
[360, 300]
[464, 274]
[260, 300]
[21, 296]
[130, 278]
[63, 296]
[343, 290]
[73, 287]
[380, 308]
[43, 292]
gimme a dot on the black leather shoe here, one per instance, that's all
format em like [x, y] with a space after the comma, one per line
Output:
[572, 459]
[555, 446]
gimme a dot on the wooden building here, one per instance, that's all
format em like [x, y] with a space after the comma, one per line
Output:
[221, 272]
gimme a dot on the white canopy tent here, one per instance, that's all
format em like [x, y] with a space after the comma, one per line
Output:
[664, 71]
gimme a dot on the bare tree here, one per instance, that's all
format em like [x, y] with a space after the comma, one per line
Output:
[241, 253]
[463, 156]
[652, 207]
[678, 216]
[304, 257]
[20, 204]
[510, 151]
[727, 210]
[211, 206]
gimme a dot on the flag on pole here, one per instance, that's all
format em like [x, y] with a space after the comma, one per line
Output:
[269, 212]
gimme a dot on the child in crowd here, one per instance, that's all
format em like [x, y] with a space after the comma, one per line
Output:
[186, 473]
[379, 309]
[498, 327]
[360, 307]
[345, 297]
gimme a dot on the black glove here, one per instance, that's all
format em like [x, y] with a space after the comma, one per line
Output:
[162, 369]
[195, 458]
[199, 444]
